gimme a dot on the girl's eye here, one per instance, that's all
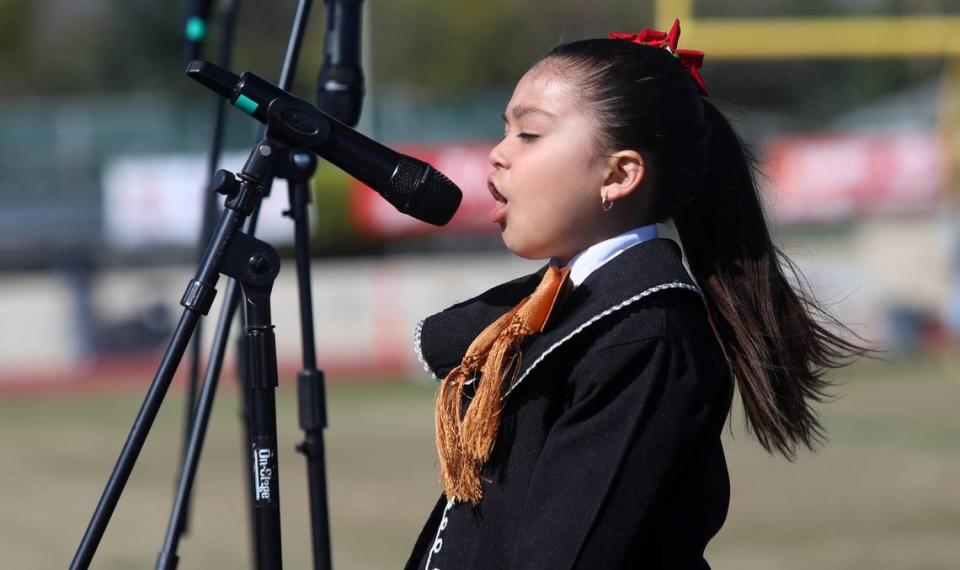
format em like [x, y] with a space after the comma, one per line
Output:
[528, 137]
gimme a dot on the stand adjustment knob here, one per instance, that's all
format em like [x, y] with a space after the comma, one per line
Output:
[224, 182]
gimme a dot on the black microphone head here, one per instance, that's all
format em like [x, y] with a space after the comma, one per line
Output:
[419, 190]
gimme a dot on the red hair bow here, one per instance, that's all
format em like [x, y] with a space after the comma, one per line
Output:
[691, 59]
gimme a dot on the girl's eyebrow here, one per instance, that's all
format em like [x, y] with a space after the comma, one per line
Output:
[519, 111]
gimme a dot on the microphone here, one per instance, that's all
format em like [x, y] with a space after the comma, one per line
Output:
[195, 27]
[413, 187]
[340, 86]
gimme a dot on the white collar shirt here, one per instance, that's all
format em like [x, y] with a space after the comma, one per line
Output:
[592, 258]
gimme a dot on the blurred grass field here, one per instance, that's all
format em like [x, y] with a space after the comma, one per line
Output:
[883, 494]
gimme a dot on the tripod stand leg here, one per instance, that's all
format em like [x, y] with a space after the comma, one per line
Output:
[167, 559]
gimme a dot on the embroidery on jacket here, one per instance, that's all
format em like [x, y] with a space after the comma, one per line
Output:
[438, 541]
[419, 348]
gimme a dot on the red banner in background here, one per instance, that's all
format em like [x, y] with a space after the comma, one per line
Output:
[842, 176]
[823, 178]
[465, 164]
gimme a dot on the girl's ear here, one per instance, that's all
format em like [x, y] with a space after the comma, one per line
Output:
[625, 172]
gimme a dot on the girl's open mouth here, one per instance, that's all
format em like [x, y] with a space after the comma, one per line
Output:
[499, 212]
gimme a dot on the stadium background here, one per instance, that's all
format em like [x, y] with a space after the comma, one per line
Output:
[102, 143]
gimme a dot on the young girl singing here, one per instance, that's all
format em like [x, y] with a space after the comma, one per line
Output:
[580, 408]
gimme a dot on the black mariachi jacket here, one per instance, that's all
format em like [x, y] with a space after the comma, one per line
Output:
[608, 454]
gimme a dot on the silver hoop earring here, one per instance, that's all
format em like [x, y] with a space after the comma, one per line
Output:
[605, 204]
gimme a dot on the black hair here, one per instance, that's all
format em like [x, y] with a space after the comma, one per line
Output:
[778, 339]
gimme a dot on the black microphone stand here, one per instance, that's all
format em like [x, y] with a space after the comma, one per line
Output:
[254, 265]
[291, 125]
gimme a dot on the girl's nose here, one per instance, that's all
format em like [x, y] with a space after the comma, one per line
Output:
[496, 157]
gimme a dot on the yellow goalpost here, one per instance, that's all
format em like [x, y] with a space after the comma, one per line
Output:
[814, 37]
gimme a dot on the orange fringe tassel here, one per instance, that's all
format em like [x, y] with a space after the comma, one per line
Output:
[464, 443]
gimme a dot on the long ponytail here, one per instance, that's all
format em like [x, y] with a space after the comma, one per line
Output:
[778, 340]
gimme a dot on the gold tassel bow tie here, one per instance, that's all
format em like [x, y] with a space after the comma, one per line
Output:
[464, 443]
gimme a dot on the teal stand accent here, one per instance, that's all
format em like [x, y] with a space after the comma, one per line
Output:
[246, 104]
[196, 29]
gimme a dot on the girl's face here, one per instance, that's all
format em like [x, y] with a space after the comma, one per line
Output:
[547, 172]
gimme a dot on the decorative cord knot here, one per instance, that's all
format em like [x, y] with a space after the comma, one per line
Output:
[517, 327]
[470, 364]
